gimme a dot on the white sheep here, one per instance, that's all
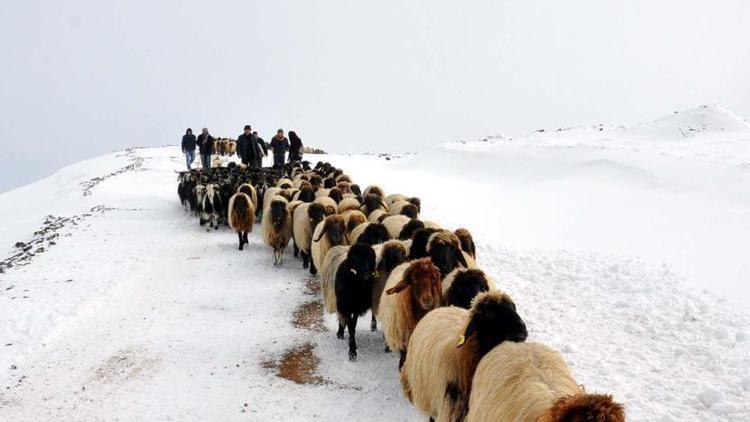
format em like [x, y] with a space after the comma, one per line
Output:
[276, 226]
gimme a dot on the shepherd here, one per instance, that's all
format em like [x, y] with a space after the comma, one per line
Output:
[188, 147]
[279, 145]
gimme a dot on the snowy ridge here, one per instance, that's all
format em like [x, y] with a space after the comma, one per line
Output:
[614, 257]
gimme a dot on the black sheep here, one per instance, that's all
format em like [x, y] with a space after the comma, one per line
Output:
[354, 281]
[409, 228]
[373, 234]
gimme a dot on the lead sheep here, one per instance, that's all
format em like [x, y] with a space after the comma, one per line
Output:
[276, 225]
[241, 216]
[445, 348]
[531, 382]
[347, 279]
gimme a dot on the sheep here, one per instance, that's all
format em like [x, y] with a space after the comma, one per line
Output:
[210, 206]
[322, 192]
[328, 183]
[356, 190]
[432, 225]
[409, 210]
[393, 198]
[347, 279]
[330, 205]
[408, 230]
[276, 225]
[369, 233]
[445, 251]
[371, 203]
[305, 218]
[531, 382]
[467, 242]
[353, 218]
[268, 196]
[344, 187]
[216, 162]
[343, 178]
[200, 193]
[389, 255]
[250, 191]
[437, 374]
[231, 147]
[347, 204]
[284, 183]
[241, 216]
[377, 215]
[412, 290]
[394, 224]
[331, 232]
[336, 195]
[462, 285]
[375, 190]
[305, 194]
[420, 238]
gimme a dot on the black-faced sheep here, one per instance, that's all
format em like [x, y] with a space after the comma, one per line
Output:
[389, 255]
[330, 205]
[377, 216]
[467, 242]
[531, 382]
[445, 251]
[336, 195]
[347, 279]
[276, 225]
[369, 233]
[462, 285]
[305, 218]
[241, 216]
[353, 218]
[409, 229]
[331, 232]
[305, 194]
[412, 290]
[371, 203]
[420, 238]
[250, 191]
[445, 348]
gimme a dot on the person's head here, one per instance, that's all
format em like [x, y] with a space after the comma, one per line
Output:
[189, 131]
[280, 132]
[292, 134]
[255, 132]
[204, 130]
[248, 130]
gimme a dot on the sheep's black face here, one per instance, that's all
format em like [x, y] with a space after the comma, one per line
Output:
[417, 203]
[278, 213]
[329, 183]
[496, 322]
[316, 213]
[410, 211]
[373, 202]
[336, 195]
[443, 256]
[356, 190]
[419, 243]
[409, 229]
[393, 256]
[306, 195]
[337, 232]
[362, 261]
[465, 287]
[374, 234]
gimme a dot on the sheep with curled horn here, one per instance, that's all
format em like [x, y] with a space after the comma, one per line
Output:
[347, 280]
[445, 348]
[305, 218]
[241, 216]
[531, 382]
[276, 225]
[331, 232]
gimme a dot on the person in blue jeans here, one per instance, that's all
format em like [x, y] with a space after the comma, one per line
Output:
[206, 148]
[188, 147]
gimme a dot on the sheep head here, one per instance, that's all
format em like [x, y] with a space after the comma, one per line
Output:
[493, 319]
[278, 212]
[372, 202]
[315, 213]
[410, 210]
[424, 279]
[374, 234]
[466, 285]
[335, 227]
[393, 254]
[445, 250]
[585, 407]
[361, 259]
[306, 194]
[409, 229]
[336, 194]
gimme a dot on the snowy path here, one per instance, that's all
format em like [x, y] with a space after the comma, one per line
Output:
[140, 314]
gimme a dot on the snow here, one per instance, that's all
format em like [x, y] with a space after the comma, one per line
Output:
[624, 248]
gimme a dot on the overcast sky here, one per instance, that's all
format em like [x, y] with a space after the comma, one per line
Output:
[81, 78]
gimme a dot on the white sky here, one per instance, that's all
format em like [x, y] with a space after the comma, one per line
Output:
[80, 78]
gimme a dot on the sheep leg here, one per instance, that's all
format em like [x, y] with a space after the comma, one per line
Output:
[313, 270]
[386, 349]
[352, 326]
[216, 222]
[340, 332]
[296, 248]
[373, 323]
[244, 238]
[401, 359]
[305, 259]
[239, 235]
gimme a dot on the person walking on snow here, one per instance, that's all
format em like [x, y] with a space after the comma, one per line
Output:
[188, 147]
[263, 146]
[246, 147]
[295, 147]
[206, 148]
[279, 145]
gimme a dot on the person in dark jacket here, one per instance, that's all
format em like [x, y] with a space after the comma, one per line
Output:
[246, 147]
[295, 147]
[188, 147]
[263, 147]
[206, 148]
[279, 146]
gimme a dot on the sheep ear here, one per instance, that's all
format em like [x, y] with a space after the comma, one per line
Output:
[460, 257]
[322, 232]
[403, 284]
[469, 331]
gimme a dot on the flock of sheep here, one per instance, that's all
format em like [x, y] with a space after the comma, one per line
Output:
[462, 344]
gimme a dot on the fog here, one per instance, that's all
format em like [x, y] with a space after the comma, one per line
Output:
[81, 78]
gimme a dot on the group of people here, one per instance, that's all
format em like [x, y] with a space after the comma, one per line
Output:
[251, 148]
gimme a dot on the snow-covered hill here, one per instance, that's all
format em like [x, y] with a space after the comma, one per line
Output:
[623, 248]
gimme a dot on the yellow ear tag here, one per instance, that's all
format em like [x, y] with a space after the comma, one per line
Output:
[377, 274]
[461, 340]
